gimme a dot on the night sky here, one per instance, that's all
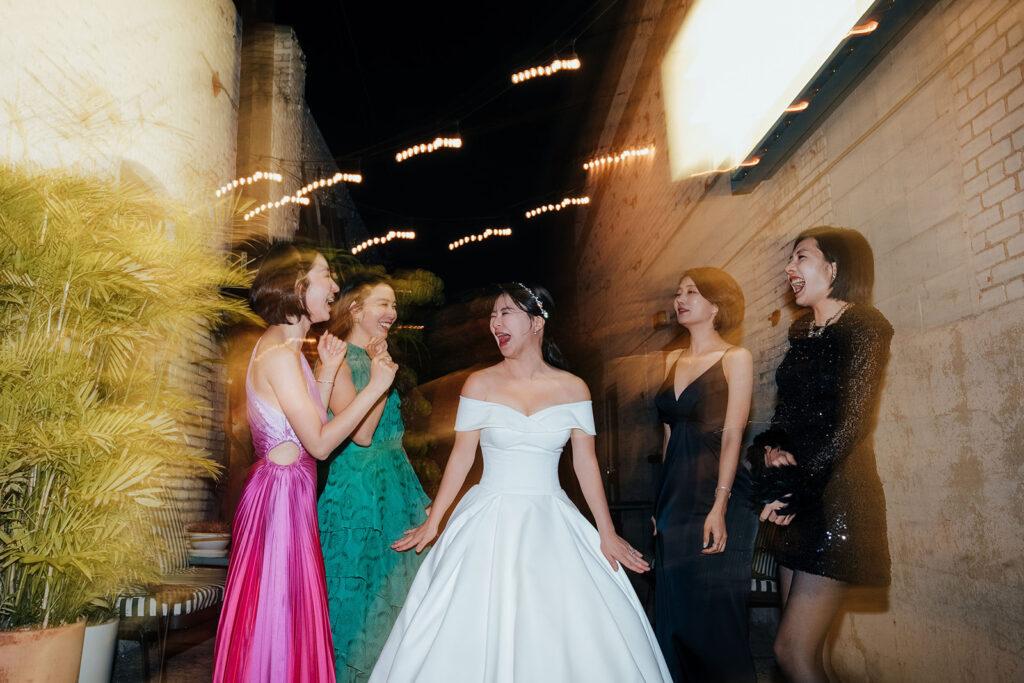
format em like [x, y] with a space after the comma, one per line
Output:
[384, 76]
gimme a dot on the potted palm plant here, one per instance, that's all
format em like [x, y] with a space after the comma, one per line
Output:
[105, 295]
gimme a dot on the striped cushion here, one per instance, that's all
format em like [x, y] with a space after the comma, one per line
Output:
[764, 586]
[182, 592]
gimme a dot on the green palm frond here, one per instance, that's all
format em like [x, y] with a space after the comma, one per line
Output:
[106, 296]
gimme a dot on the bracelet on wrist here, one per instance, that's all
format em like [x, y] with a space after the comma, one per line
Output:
[727, 490]
[325, 381]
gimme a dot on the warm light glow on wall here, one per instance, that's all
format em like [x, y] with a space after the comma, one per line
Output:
[249, 180]
[438, 143]
[863, 30]
[288, 199]
[607, 159]
[749, 162]
[327, 182]
[736, 65]
[392, 235]
[552, 68]
[568, 201]
[489, 232]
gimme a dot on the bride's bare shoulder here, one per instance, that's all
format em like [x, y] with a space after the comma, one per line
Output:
[574, 388]
[478, 384]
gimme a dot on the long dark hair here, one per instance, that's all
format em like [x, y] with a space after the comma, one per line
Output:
[354, 290]
[537, 303]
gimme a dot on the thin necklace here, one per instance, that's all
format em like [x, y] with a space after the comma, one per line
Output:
[817, 330]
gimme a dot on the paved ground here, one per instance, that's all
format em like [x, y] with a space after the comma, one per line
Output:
[195, 665]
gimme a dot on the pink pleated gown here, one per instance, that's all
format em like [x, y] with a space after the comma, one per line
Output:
[274, 626]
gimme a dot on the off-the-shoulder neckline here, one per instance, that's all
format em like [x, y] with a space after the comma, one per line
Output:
[516, 410]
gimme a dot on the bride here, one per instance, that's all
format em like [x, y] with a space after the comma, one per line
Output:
[520, 587]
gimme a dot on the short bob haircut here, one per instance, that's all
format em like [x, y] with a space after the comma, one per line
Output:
[278, 292]
[718, 287]
[853, 259]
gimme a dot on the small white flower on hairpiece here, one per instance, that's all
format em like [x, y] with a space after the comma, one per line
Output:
[536, 300]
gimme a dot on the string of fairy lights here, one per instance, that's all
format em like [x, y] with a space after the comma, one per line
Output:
[489, 232]
[301, 196]
[392, 235]
[604, 161]
[568, 201]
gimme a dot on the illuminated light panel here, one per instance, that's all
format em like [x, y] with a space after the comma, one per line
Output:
[749, 162]
[719, 102]
[799, 106]
[249, 180]
[568, 201]
[489, 232]
[616, 158]
[327, 182]
[552, 68]
[392, 235]
[287, 199]
[438, 143]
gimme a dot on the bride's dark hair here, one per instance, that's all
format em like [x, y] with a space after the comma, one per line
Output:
[537, 303]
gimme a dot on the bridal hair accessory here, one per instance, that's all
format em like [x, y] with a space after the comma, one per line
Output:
[536, 300]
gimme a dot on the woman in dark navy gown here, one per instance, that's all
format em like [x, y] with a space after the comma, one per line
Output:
[704, 544]
[819, 481]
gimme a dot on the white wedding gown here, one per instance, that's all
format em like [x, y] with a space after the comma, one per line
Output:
[516, 588]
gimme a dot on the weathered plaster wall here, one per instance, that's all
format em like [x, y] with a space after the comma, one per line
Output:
[925, 159]
[92, 85]
[124, 89]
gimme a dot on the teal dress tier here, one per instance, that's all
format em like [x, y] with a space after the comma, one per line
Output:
[372, 495]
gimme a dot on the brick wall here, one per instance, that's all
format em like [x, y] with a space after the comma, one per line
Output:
[924, 158]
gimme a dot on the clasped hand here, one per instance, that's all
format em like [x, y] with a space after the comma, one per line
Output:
[776, 457]
[331, 351]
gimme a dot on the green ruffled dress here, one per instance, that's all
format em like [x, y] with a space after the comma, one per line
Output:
[372, 495]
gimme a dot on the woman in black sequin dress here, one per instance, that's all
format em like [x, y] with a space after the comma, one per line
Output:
[819, 481]
[704, 543]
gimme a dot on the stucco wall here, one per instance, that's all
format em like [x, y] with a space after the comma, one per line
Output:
[924, 158]
[140, 90]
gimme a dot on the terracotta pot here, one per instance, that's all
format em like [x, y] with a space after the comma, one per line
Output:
[42, 655]
[98, 652]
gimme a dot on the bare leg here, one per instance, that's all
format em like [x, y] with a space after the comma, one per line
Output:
[810, 604]
[785, 581]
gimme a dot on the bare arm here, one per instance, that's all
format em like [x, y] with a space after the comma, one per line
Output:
[331, 351]
[738, 366]
[459, 463]
[615, 549]
[344, 393]
[283, 372]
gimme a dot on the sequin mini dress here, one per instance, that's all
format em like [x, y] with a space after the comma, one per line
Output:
[828, 389]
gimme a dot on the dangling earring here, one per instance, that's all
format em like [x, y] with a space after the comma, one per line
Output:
[834, 272]
[535, 332]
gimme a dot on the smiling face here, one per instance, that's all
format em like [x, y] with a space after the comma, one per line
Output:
[377, 312]
[320, 290]
[511, 326]
[810, 275]
[691, 307]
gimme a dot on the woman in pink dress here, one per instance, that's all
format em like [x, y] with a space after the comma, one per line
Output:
[274, 624]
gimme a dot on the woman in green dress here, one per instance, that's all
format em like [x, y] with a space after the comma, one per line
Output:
[371, 495]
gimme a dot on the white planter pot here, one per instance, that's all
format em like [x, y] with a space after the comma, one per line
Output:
[98, 652]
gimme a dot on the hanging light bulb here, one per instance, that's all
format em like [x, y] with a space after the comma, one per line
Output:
[434, 145]
[489, 232]
[391, 235]
[248, 180]
[546, 70]
[616, 158]
[568, 201]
